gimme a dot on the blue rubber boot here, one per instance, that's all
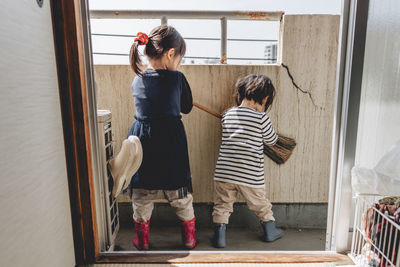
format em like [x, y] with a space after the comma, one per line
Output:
[271, 233]
[218, 239]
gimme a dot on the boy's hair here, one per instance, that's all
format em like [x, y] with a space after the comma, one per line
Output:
[161, 39]
[255, 87]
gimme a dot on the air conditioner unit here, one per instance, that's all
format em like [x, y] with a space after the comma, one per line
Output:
[106, 205]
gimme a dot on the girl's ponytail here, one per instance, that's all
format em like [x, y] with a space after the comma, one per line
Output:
[134, 57]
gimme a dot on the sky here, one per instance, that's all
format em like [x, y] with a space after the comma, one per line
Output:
[199, 28]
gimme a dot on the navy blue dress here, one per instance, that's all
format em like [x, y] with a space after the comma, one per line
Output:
[160, 96]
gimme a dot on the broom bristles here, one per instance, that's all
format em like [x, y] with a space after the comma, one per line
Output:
[282, 150]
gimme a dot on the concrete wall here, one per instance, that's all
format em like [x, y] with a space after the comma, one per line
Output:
[303, 109]
[379, 120]
[35, 224]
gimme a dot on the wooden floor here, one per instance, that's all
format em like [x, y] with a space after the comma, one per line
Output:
[227, 257]
[231, 265]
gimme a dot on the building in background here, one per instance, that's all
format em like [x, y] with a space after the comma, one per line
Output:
[271, 53]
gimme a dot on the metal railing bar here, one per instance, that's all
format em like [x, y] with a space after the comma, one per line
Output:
[114, 35]
[193, 57]
[192, 38]
[186, 14]
[164, 20]
[224, 41]
[244, 58]
[232, 58]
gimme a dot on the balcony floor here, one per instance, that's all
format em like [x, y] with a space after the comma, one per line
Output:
[169, 238]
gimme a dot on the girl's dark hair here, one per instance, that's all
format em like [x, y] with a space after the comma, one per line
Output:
[255, 87]
[161, 39]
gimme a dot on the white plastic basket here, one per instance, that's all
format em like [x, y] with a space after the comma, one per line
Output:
[376, 236]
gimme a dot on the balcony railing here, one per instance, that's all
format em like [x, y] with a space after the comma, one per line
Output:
[164, 15]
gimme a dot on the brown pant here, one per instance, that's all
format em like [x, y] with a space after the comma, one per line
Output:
[143, 204]
[225, 196]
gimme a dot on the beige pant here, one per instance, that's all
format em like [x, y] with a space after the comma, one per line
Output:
[225, 196]
[143, 204]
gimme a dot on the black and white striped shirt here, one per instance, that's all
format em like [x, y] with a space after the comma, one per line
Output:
[241, 158]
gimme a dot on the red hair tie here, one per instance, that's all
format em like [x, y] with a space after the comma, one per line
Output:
[142, 38]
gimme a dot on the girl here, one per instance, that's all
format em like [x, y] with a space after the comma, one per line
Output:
[240, 166]
[161, 93]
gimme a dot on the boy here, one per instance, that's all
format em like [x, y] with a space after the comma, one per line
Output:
[240, 166]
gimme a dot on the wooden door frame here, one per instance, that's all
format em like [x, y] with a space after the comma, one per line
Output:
[70, 59]
[75, 78]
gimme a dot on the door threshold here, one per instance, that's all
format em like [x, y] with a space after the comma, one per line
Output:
[183, 256]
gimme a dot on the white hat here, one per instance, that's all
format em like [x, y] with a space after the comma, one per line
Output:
[126, 163]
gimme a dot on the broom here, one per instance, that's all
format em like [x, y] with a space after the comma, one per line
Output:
[279, 153]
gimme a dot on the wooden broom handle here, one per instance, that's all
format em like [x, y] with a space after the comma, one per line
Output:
[215, 114]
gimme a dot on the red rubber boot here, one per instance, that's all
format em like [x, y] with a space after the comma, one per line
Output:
[141, 240]
[188, 238]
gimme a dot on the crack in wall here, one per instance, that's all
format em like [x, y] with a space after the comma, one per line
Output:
[298, 87]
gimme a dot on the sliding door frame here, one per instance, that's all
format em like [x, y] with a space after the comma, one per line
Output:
[78, 107]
